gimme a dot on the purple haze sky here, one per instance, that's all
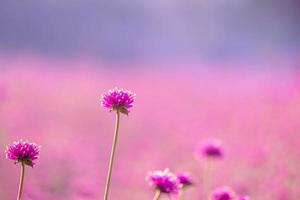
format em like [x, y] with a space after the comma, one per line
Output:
[134, 29]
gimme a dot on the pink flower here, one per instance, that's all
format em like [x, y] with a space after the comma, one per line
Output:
[184, 179]
[23, 151]
[210, 149]
[165, 181]
[223, 193]
[119, 100]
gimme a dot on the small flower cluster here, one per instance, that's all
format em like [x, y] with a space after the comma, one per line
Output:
[184, 179]
[118, 100]
[167, 182]
[226, 193]
[23, 151]
[164, 181]
[210, 149]
[223, 193]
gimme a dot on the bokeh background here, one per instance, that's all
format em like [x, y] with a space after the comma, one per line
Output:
[201, 69]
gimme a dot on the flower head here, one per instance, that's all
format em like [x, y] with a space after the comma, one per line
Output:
[23, 151]
[210, 149]
[119, 100]
[243, 198]
[223, 193]
[184, 179]
[165, 181]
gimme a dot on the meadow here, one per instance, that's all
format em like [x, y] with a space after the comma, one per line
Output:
[254, 112]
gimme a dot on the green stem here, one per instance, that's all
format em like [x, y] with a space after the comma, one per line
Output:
[157, 195]
[21, 181]
[112, 155]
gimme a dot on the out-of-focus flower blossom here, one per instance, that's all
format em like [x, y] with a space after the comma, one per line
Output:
[223, 193]
[23, 151]
[184, 179]
[119, 100]
[243, 198]
[164, 181]
[210, 149]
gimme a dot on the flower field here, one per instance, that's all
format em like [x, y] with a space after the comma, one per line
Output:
[255, 113]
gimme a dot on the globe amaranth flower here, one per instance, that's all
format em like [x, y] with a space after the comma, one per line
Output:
[210, 149]
[223, 193]
[164, 181]
[118, 100]
[23, 151]
[243, 198]
[184, 179]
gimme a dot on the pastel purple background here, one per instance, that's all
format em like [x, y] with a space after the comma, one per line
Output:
[156, 29]
[200, 69]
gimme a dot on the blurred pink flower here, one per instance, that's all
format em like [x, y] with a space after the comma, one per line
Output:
[164, 181]
[243, 198]
[184, 179]
[210, 149]
[223, 193]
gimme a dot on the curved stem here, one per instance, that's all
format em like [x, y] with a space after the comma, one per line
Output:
[112, 155]
[21, 181]
[157, 195]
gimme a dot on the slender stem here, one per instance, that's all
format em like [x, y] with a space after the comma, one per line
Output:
[21, 180]
[206, 178]
[112, 155]
[181, 194]
[157, 195]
